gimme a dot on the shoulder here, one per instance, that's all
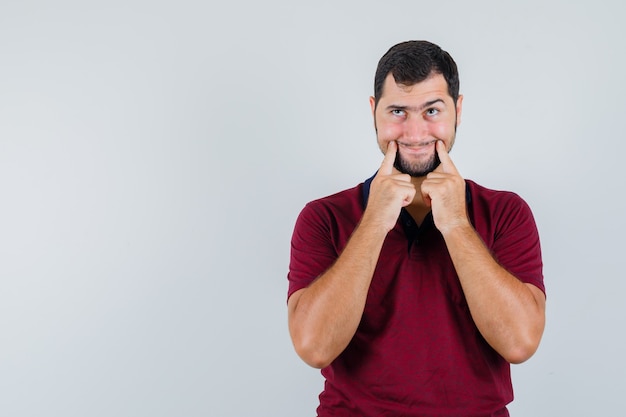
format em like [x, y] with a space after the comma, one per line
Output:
[322, 230]
[331, 218]
[346, 201]
[507, 226]
[482, 192]
[493, 200]
[495, 213]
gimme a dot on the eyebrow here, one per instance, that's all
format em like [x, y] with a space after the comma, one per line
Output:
[413, 108]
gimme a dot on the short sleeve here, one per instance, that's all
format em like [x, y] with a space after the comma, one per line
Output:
[516, 244]
[312, 248]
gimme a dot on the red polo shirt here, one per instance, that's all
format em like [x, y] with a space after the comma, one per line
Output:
[417, 351]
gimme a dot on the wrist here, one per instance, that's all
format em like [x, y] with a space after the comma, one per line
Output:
[459, 228]
[374, 225]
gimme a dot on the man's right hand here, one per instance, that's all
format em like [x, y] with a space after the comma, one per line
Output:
[324, 316]
[389, 192]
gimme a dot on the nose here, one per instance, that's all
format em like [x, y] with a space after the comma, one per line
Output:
[415, 130]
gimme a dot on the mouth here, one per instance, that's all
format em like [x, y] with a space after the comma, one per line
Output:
[416, 145]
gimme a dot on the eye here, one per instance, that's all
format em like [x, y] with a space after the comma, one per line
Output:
[398, 112]
[432, 112]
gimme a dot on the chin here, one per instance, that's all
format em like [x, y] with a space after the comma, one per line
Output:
[416, 170]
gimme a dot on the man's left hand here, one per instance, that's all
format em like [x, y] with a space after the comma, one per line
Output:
[444, 191]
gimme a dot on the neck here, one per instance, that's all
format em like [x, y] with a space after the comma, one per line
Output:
[418, 209]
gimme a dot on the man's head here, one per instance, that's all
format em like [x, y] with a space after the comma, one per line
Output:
[416, 102]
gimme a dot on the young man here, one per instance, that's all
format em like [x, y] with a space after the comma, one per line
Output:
[415, 290]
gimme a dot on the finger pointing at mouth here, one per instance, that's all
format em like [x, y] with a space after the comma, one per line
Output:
[446, 165]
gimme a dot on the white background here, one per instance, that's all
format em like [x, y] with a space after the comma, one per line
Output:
[154, 156]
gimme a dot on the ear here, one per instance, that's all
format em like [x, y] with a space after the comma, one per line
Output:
[373, 106]
[459, 109]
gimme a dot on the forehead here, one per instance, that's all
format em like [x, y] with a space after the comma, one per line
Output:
[434, 86]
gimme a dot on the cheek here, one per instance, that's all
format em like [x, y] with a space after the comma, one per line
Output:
[442, 130]
[388, 131]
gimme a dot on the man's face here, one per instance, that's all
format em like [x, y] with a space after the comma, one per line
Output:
[416, 117]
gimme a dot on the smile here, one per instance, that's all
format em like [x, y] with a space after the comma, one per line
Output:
[416, 145]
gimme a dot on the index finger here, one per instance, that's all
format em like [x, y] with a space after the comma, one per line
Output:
[447, 166]
[386, 167]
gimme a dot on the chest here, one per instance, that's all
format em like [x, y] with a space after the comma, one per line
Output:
[414, 283]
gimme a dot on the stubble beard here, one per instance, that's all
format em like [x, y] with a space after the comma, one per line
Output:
[417, 169]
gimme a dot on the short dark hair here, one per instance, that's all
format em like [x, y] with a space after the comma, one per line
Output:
[411, 62]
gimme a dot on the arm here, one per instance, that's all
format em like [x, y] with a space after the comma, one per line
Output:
[509, 314]
[324, 317]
